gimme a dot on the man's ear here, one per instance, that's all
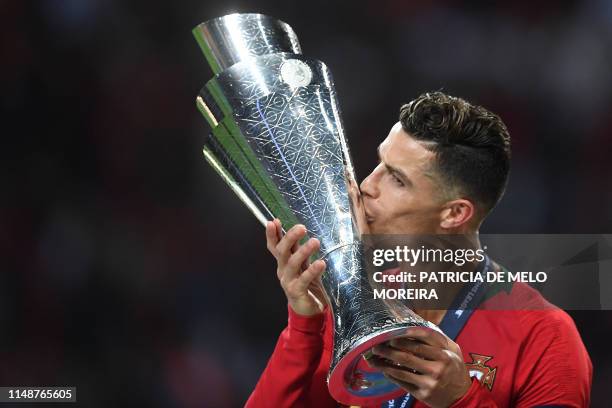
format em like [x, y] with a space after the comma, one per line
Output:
[456, 213]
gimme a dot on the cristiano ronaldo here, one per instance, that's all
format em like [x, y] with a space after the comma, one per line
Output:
[442, 168]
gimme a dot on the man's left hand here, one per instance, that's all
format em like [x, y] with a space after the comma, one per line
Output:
[425, 363]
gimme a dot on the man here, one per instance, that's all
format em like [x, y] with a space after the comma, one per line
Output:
[442, 169]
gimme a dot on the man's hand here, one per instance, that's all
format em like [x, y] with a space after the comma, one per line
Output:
[427, 364]
[299, 280]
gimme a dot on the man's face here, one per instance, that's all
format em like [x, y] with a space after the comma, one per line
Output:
[402, 194]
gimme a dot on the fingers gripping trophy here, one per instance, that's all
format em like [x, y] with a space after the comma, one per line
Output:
[277, 140]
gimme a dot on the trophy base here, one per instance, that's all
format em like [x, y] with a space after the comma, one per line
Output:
[353, 382]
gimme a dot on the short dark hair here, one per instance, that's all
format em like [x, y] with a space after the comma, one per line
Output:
[471, 144]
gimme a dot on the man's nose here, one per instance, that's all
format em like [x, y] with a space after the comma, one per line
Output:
[369, 186]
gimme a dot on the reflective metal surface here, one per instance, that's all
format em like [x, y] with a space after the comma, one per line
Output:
[277, 140]
[230, 39]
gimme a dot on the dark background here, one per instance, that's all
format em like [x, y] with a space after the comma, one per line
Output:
[132, 272]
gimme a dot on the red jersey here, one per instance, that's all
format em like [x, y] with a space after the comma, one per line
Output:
[518, 358]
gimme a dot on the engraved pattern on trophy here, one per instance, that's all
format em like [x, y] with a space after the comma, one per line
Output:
[303, 123]
[302, 155]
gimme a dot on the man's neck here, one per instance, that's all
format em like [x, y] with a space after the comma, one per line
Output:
[435, 316]
[449, 290]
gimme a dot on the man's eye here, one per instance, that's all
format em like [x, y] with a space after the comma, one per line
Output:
[397, 180]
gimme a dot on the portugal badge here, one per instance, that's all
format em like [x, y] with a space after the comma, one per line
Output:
[478, 368]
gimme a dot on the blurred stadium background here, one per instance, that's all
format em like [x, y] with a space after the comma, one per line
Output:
[131, 271]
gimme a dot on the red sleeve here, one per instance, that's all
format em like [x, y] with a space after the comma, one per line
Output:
[296, 373]
[554, 367]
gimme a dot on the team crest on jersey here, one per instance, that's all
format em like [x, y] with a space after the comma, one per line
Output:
[478, 368]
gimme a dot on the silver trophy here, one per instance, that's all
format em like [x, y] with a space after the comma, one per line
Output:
[277, 140]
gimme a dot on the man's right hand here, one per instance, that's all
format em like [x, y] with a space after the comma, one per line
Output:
[299, 280]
